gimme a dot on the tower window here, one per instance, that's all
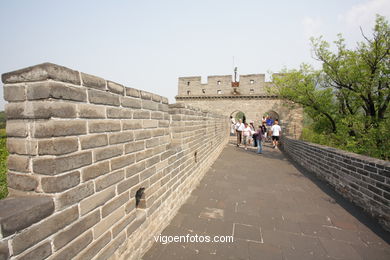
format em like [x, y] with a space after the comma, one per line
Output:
[188, 83]
[219, 91]
[252, 81]
[188, 92]
[218, 82]
[203, 91]
[251, 91]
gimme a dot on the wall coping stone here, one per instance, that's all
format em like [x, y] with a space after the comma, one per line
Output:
[41, 72]
[17, 213]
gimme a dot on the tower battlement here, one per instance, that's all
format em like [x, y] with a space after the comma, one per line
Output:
[250, 84]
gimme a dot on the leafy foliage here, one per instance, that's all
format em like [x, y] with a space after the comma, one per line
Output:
[348, 99]
[3, 164]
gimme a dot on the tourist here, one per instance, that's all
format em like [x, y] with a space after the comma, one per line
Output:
[252, 132]
[276, 133]
[239, 128]
[247, 133]
[260, 137]
[232, 126]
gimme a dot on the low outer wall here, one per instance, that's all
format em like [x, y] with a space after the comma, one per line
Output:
[363, 180]
[80, 147]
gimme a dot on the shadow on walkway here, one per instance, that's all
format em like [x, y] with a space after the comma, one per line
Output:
[273, 209]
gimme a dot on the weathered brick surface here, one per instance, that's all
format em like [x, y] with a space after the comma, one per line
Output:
[90, 144]
[22, 182]
[36, 233]
[92, 141]
[40, 252]
[73, 248]
[99, 126]
[60, 183]
[58, 146]
[95, 170]
[96, 200]
[75, 230]
[93, 81]
[354, 176]
[57, 90]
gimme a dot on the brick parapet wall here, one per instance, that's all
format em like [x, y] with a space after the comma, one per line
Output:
[363, 180]
[88, 145]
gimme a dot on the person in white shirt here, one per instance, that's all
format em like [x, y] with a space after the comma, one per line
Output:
[276, 133]
[239, 128]
[232, 126]
[247, 133]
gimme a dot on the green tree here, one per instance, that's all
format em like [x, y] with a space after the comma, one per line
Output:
[348, 99]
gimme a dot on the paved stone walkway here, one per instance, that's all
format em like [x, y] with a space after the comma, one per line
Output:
[274, 211]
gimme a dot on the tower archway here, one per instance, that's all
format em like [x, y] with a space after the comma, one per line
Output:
[238, 115]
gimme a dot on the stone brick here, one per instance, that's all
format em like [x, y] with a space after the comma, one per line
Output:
[152, 142]
[149, 123]
[40, 252]
[127, 184]
[146, 95]
[15, 110]
[115, 88]
[163, 107]
[94, 247]
[74, 195]
[54, 166]
[54, 128]
[95, 170]
[130, 206]
[110, 249]
[23, 182]
[134, 169]
[21, 146]
[58, 146]
[152, 161]
[134, 147]
[109, 180]
[114, 204]
[117, 112]
[147, 173]
[105, 98]
[56, 90]
[163, 123]
[93, 81]
[108, 152]
[107, 222]
[14, 93]
[92, 141]
[164, 100]
[91, 111]
[135, 224]
[63, 110]
[156, 98]
[131, 102]
[149, 105]
[42, 72]
[45, 228]
[99, 126]
[142, 134]
[96, 200]
[73, 248]
[18, 163]
[141, 114]
[132, 92]
[119, 227]
[144, 154]
[4, 250]
[121, 137]
[18, 213]
[60, 183]
[131, 124]
[16, 128]
[157, 132]
[157, 115]
[122, 161]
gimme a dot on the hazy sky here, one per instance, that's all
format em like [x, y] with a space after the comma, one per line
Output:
[149, 44]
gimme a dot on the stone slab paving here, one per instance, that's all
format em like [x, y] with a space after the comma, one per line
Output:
[274, 210]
